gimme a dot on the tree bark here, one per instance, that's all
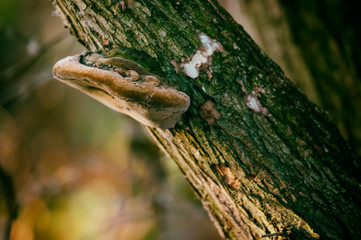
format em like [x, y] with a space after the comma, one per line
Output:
[317, 44]
[261, 157]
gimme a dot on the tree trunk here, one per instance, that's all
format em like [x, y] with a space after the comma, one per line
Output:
[260, 156]
[317, 44]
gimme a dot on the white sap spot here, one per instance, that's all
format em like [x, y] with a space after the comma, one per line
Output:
[201, 57]
[191, 69]
[210, 44]
[253, 103]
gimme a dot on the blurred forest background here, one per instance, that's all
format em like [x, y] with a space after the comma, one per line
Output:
[70, 168]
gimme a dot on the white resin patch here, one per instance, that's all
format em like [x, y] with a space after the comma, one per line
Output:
[253, 103]
[191, 69]
[202, 57]
[210, 44]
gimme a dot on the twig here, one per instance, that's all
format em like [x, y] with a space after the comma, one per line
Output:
[7, 186]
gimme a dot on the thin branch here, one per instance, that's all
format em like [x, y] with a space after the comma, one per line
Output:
[8, 190]
[10, 80]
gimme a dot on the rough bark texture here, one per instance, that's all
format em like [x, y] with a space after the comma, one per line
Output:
[261, 157]
[317, 44]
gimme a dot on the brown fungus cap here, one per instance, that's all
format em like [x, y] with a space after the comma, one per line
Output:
[124, 86]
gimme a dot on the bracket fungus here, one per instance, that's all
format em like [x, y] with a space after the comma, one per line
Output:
[124, 86]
